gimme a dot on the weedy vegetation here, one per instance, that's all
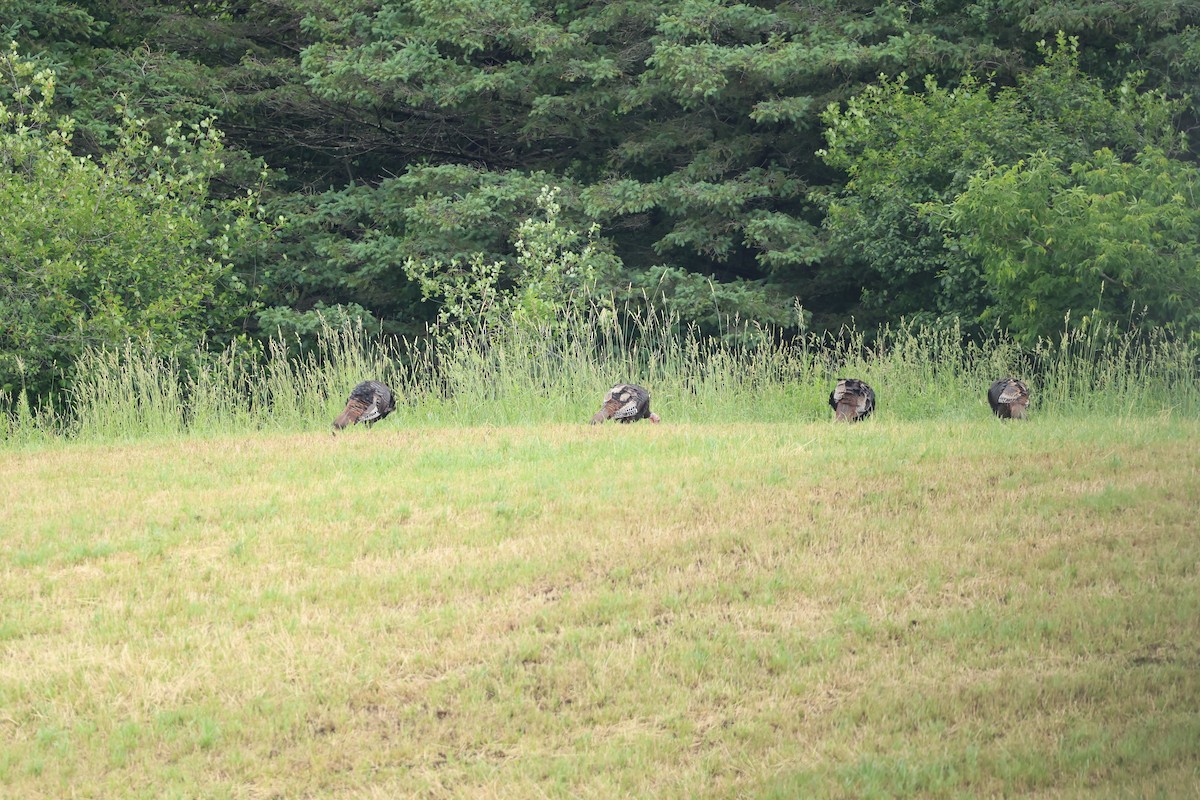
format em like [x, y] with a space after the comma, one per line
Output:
[206, 594]
[522, 372]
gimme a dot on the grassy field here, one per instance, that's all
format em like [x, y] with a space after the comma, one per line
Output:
[897, 608]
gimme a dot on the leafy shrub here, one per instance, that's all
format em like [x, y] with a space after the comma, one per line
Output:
[94, 252]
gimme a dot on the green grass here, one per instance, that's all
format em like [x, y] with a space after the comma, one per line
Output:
[944, 607]
[557, 373]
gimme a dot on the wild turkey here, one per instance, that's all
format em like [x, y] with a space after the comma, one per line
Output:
[369, 402]
[1009, 398]
[625, 402]
[851, 400]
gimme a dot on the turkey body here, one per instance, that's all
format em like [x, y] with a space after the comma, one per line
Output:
[851, 400]
[1009, 398]
[369, 402]
[625, 402]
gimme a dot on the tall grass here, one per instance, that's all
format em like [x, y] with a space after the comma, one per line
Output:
[525, 374]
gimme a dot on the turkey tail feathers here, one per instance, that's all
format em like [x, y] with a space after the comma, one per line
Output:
[625, 402]
[607, 410]
[852, 400]
[351, 414]
[369, 402]
[1009, 398]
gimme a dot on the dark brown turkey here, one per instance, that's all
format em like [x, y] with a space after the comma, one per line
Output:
[1009, 398]
[369, 402]
[625, 402]
[851, 400]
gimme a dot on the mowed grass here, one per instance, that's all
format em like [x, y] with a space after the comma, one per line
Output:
[890, 609]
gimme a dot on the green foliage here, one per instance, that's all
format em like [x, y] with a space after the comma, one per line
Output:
[683, 132]
[346, 249]
[687, 132]
[556, 274]
[559, 269]
[96, 251]
[52, 20]
[717, 308]
[1103, 238]
[904, 152]
[468, 293]
[305, 326]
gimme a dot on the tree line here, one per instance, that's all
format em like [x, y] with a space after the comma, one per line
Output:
[239, 168]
